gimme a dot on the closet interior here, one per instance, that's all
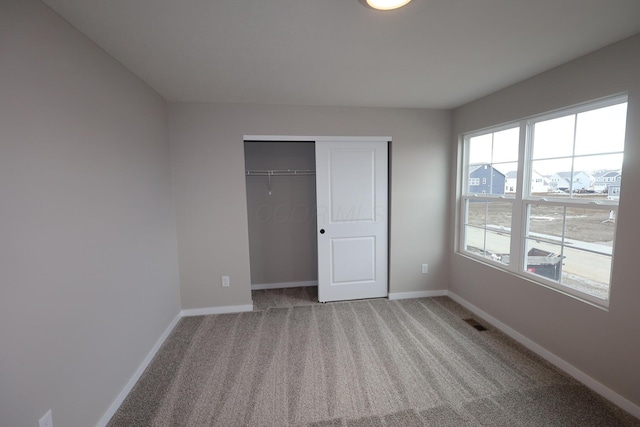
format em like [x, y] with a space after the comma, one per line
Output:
[281, 206]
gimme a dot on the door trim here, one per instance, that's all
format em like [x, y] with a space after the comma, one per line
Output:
[307, 138]
[346, 139]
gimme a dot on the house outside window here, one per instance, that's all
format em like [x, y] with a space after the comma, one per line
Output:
[560, 235]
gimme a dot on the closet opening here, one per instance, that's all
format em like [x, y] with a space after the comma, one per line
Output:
[281, 208]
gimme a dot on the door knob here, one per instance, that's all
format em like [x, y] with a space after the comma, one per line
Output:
[322, 231]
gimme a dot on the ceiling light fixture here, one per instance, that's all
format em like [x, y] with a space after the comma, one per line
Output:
[387, 4]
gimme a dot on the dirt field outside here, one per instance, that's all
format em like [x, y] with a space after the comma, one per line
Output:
[582, 224]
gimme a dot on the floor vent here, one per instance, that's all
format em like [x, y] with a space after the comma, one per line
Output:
[475, 324]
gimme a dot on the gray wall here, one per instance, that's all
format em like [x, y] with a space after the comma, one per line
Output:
[87, 231]
[603, 344]
[283, 246]
[209, 186]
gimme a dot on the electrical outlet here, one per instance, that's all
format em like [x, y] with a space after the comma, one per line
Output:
[46, 420]
[425, 268]
[225, 281]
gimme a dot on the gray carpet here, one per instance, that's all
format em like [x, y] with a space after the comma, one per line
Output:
[366, 363]
[285, 297]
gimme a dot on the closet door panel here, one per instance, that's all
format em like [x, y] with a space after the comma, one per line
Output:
[352, 198]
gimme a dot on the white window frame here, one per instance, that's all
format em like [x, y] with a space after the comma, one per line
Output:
[522, 198]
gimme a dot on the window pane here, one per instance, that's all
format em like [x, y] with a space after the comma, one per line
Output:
[498, 246]
[497, 181]
[591, 229]
[476, 213]
[490, 234]
[558, 174]
[540, 184]
[603, 170]
[505, 145]
[480, 149]
[581, 179]
[488, 244]
[587, 272]
[474, 240]
[601, 130]
[499, 216]
[485, 179]
[543, 259]
[491, 156]
[605, 179]
[597, 163]
[505, 168]
[553, 138]
[546, 222]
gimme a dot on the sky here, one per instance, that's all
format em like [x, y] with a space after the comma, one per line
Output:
[597, 136]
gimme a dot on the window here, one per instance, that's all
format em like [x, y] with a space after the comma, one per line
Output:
[487, 219]
[555, 228]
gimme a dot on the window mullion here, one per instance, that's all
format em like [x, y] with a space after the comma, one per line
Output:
[573, 153]
[564, 232]
[486, 220]
[518, 219]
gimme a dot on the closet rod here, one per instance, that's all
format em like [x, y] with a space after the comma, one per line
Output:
[281, 172]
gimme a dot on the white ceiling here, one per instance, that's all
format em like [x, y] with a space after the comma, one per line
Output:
[431, 53]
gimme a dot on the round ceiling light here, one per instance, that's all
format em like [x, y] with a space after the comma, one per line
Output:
[387, 4]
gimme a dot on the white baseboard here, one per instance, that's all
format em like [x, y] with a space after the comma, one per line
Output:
[262, 286]
[136, 376]
[216, 310]
[585, 379]
[417, 294]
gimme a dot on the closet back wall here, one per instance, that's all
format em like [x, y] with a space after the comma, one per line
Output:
[282, 226]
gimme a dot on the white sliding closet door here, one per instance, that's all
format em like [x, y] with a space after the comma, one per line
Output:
[352, 208]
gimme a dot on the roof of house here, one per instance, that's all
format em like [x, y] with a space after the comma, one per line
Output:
[472, 169]
[567, 175]
[514, 174]
[607, 174]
